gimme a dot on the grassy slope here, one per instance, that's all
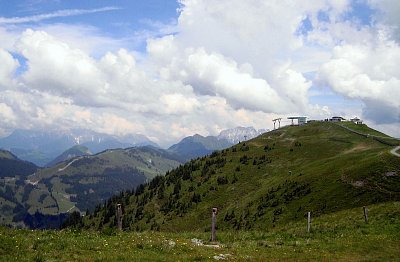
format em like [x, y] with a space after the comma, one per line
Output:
[319, 167]
[340, 236]
[364, 129]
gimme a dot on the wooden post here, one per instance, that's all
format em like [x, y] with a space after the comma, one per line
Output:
[213, 223]
[308, 222]
[365, 214]
[119, 216]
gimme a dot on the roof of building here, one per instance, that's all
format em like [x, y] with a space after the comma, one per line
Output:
[297, 117]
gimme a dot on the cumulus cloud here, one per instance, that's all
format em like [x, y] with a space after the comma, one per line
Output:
[213, 74]
[243, 58]
[56, 68]
[8, 66]
[114, 80]
[368, 72]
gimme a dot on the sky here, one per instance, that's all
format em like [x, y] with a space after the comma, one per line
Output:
[169, 69]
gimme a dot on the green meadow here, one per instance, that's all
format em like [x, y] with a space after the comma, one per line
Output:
[340, 236]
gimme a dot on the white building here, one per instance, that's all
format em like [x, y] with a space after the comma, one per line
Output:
[301, 120]
[356, 121]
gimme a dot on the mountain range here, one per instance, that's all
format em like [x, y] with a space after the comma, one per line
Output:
[42, 147]
[77, 179]
[197, 146]
[29, 193]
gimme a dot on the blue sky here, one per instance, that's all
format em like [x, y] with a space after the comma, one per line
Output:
[116, 19]
[169, 69]
[127, 11]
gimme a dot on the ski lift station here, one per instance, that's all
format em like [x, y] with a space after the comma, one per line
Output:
[301, 120]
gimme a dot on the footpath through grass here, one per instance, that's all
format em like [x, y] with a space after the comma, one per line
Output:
[342, 236]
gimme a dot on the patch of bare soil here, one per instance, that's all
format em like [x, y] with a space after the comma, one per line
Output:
[357, 148]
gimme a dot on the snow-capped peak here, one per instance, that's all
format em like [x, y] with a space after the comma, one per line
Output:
[238, 134]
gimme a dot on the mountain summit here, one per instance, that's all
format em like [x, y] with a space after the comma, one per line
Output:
[74, 151]
[197, 146]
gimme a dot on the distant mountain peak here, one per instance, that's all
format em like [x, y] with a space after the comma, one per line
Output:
[197, 145]
[238, 134]
[75, 151]
[42, 146]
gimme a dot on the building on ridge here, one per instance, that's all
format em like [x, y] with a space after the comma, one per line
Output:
[337, 119]
[356, 121]
[301, 120]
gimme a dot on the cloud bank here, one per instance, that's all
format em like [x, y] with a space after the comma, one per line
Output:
[229, 63]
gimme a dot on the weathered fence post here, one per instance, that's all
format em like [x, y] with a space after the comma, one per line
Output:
[308, 222]
[365, 214]
[119, 216]
[213, 223]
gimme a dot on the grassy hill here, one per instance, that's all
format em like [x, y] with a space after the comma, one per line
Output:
[195, 146]
[72, 152]
[339, 236]
[79, 184]
[266, 182]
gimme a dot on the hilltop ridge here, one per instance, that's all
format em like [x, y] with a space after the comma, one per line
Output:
[272, 179]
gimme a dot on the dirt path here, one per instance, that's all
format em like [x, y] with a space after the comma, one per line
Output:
[70, 163]
[393, 151]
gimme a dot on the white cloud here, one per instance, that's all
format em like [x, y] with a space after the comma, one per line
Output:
[388, 15]
[213, 74]
[369, 73]
[178, 103]
[8, 65]
[59, 13]
[56, 68]
[226, 63]
[7, 118]
[95, 43]
[8, 38]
